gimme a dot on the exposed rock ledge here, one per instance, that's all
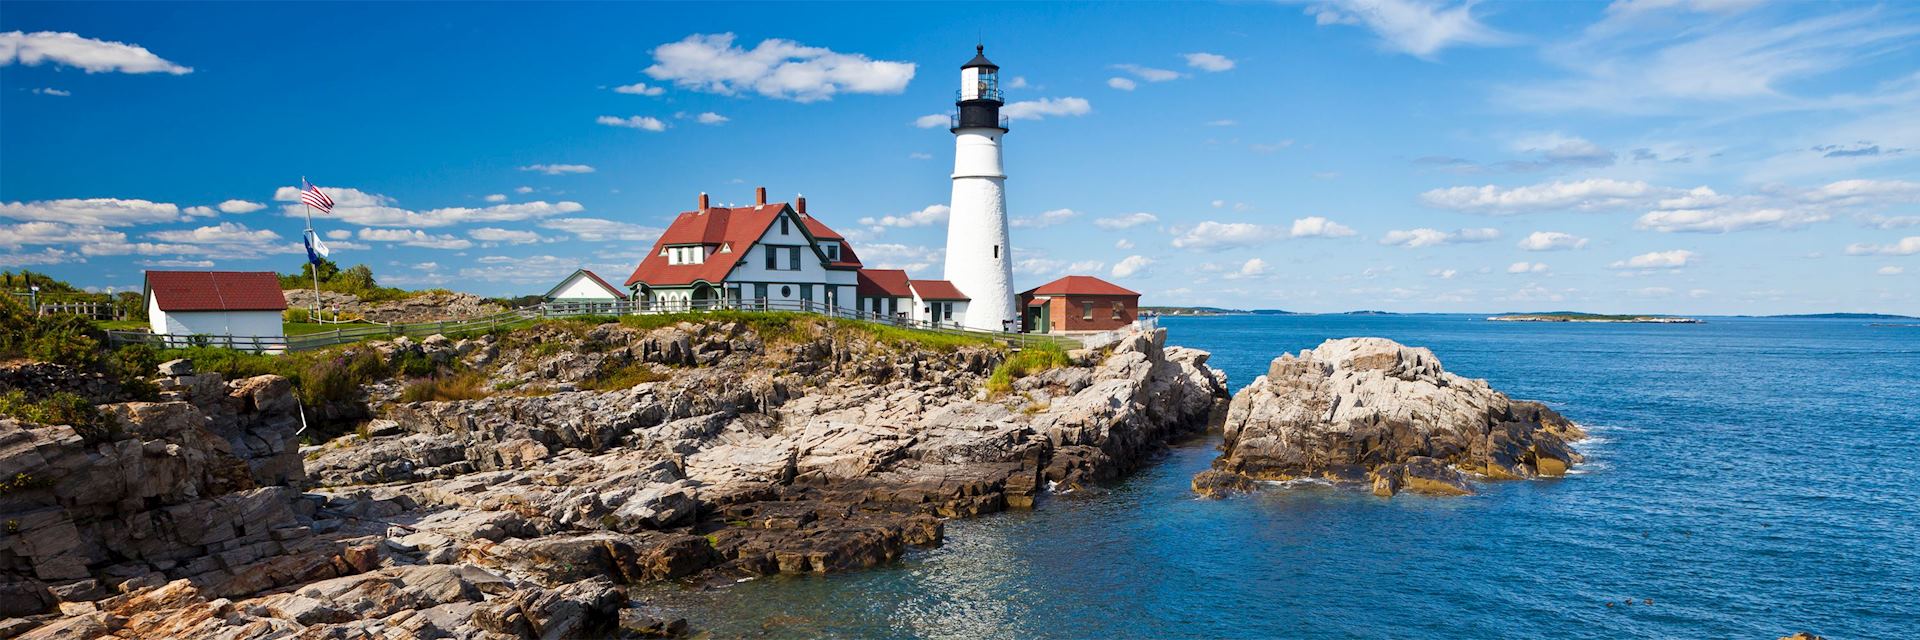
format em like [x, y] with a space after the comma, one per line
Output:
[524, 515]
[1373, 412]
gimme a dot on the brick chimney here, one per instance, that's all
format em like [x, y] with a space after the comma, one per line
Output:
[703, 201]
[800, 204]
[759, 196]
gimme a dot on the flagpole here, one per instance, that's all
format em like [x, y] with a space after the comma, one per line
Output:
[313, 311]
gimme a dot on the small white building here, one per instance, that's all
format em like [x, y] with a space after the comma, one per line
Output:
[206, 307]
[585, 290]
[885, 293]
[939, 303]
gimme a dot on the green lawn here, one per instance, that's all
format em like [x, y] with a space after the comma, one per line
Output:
[121, 325]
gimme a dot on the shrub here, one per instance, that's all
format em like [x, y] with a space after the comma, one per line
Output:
[462, 386]
[625, 377]
[59, 408]
[1026, 362]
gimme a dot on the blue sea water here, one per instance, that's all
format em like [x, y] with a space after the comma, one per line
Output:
[1749, 477]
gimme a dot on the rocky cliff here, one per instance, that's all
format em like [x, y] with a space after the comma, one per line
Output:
[1372, 411]
[597, 457]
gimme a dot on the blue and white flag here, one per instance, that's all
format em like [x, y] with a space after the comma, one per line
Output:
[315, 248]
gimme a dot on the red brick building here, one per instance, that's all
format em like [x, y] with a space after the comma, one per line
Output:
[1078, 303]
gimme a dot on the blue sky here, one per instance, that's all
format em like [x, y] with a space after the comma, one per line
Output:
[1689, 157]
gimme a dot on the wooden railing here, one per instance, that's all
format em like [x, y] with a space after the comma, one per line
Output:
[89, 310]
[529, 315]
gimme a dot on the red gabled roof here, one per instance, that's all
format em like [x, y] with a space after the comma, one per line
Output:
[737, 228]
[1080, 285]
[603, 282]
[617, 293]
[216, 290]
[937, 290]
[884, 283]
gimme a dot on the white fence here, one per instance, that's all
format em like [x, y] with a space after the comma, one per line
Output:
[535, 313]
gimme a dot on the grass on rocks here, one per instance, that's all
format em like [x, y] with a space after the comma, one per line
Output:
[1029, 361]
[626, 376]
[466, 385]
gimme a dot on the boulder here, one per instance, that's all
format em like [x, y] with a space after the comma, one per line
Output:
[1393, 411]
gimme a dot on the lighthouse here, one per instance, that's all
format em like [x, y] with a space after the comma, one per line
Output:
[979, 259]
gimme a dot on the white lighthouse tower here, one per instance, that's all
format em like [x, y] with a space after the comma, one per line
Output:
[979, 259]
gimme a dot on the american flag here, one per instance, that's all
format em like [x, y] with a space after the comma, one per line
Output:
[314, 198]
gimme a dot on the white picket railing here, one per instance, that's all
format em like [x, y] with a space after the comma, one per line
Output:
[528, 315]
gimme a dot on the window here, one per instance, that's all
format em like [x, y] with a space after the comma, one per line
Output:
[996, 252]
[1086, 311]
[832, 251]
[794, 264]
[946, 312]
[760, 291]
[783, 225]
[773, 258]
[1118, 310]
[786, 292]
[806, 292]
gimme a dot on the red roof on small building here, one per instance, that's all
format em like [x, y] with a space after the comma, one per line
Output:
[216, 290]
[736, 229]
[884, 283]
[1080, 286]
[937, 290]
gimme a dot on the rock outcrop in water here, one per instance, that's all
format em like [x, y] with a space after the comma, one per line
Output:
[605, 456]
[1374, 412]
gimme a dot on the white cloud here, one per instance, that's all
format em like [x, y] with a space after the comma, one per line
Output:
[1417, 27]
[173, 263]
[339, 234]
[50, 91]
[1890, 222]
[1131, 265]
[1221, 123]
[507, 236]
[1865, 192]
[51, 233]
[554, 170]
[1148, 74]
[1890, 271]
[930, 215]
[919, 156]
[415, 238]
[1552, 241]
[1122, 84]
[1210, 62]
[1907, 246]
[1673, 259]
[932, 120]
[1127, 221]
[643, 123]
[94, 56]
[109, 212]
[1123, 244]
[44, 257]
[227, 233]
[527, 190]
[1253, 267]
[640, 89]
[711, 118]
[776, 68]
[1220, 235]
[1589, 194]
[1444, 274]
[1045, 219]
[1018, 82]
[1723, 220]
[354, 206]
[602, 230]
[240, 206]
[497, 197]
[1039, 109]
[1425, 237]
[916, 260]
[1319, 227]
[1527, 267]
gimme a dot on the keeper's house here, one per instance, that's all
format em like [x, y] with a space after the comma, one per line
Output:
[885, 293]
[1078, 303]
[214, 303]
[767, 252]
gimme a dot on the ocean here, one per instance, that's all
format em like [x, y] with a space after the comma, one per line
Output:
[1747, 478]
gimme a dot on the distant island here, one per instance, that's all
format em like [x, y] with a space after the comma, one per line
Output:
[1570, 316]
[1216, 311]
[1845, 316]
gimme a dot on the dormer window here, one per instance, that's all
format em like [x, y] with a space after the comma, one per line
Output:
[783, 225]
[695, 254]
[832, 250]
